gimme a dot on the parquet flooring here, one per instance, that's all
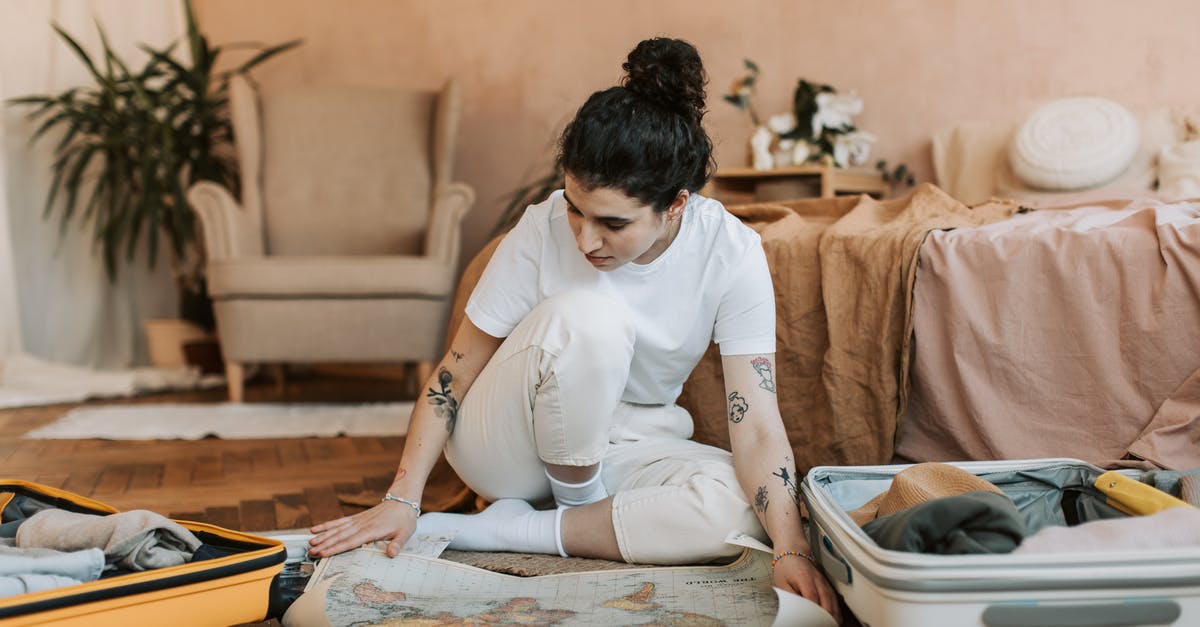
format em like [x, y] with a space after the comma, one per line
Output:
[250, 485]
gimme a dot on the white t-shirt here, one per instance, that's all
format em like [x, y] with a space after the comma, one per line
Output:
[711, 284]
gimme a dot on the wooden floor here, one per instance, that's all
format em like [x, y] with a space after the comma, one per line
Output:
[251, 485]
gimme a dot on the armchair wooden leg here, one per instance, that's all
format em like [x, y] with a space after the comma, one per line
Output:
[235, 378]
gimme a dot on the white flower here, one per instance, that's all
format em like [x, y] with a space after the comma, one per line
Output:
[782, 123]
[835, 111]
[852, 148]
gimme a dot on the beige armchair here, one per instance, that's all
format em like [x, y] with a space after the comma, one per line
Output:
[344, 247]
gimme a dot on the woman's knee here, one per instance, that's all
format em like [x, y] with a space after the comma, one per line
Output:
[587, 340]
[592, 320]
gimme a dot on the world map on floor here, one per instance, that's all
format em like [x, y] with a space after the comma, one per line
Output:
[365, 587]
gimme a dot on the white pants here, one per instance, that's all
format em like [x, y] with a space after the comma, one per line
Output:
[551, 395]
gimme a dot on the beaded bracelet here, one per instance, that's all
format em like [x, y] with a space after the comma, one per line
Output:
[399, 499]
[779, 556]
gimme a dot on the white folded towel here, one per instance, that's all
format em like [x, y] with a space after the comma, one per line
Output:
[34, 570]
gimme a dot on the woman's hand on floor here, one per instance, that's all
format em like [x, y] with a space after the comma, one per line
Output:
[798, 575]
[387, 521]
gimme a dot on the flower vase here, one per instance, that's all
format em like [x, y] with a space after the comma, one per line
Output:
[760, 148]
[782, 156]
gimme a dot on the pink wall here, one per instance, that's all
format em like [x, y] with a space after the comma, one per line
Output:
[919, 65]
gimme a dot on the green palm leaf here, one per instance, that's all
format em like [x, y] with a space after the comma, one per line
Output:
[79, 52]
[127, 148]
[268, 53]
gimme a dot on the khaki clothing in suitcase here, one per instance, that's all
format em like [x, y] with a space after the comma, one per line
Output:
[237, 586]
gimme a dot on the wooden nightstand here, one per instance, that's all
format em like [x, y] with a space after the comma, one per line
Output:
[742, 185]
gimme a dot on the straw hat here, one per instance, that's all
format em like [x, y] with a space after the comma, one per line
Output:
[918, 484]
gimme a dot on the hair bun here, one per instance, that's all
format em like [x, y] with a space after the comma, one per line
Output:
[669, 73]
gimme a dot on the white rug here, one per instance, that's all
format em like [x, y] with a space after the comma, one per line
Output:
[27, 381]
[192, 421]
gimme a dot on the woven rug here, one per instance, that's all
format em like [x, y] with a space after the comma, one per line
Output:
[193, 421]
[530, 564]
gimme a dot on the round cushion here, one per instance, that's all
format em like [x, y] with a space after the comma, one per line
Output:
[1074, 143]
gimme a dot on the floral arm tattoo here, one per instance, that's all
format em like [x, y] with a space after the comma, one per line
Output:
[443, 403]
[762, 366]
[737, 407]
[760, 499]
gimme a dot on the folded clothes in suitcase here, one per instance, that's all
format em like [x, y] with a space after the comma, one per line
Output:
[231, 578]
[1109, 587]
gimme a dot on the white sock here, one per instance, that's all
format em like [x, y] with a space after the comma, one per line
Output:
[506, 525]
[576, 494]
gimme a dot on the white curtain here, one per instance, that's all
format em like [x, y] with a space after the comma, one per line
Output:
[66, 331]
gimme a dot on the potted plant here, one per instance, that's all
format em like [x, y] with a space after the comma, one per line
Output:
[130, 146]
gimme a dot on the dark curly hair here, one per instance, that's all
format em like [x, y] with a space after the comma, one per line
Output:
[645, 136]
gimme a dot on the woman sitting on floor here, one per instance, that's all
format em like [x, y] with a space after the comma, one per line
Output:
[561, 382]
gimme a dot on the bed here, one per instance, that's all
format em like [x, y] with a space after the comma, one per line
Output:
[1067, 331]
[1060, 333]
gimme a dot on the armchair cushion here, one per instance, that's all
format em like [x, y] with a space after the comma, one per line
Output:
[372, 150]
[325, 276]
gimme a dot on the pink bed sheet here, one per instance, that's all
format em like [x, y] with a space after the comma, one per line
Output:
[1060, 333]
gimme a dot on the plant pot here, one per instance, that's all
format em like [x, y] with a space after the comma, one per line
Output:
[165, 338]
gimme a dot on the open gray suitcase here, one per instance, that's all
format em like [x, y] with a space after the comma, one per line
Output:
[892, 588]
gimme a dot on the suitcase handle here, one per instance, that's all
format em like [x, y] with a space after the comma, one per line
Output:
[1122, 614]
[833, 563]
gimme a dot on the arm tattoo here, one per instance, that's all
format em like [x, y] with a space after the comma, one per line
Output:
[457, 356]
[760, 499]
[762, 366]
[789, 483]
[737, 407]
[444, 404]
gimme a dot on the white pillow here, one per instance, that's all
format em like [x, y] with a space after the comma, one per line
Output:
[1074, 143]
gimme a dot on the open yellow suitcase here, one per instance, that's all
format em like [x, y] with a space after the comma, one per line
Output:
[236, 588]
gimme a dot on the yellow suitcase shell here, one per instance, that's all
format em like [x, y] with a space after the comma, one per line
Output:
[238, 588]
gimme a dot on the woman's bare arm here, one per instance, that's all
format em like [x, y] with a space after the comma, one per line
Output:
[433, 420]
[762, 459]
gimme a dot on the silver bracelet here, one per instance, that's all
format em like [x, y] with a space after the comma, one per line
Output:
[399, 499]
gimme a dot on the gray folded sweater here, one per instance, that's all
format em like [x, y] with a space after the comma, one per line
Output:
[973, 522]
